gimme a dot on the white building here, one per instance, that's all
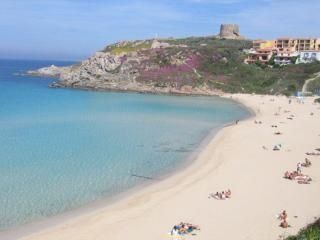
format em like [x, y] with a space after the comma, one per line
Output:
[286, 57]
[308, 56]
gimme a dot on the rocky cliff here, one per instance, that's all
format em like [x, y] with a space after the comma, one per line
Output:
[195, 65]
[158, 66]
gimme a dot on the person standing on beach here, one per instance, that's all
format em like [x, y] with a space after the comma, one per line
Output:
[299, 165]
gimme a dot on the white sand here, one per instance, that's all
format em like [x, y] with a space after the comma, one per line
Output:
[234, 159]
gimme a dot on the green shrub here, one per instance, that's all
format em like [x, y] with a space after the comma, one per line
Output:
[293, 60]
[292, 88]
[311, 232]
[314, 86]
[271, 61]
[220, 63]
[129, 47]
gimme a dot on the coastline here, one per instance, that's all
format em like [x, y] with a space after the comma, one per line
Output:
[142, 90]
[154, 209]
[108, 202]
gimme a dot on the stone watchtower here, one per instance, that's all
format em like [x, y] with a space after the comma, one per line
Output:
[230, 31]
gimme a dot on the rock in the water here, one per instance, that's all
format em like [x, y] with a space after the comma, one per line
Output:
[52, 71]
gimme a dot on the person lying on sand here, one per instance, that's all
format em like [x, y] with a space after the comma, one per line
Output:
[304, 181]
[221, 196]
[274, 126]
[312, 154]
[216, 195]
[291, 175]
[303, 178]
[183, 228]
[277, 147]
[278, 133]
[288, 175]
[297, 176]
[191, 227]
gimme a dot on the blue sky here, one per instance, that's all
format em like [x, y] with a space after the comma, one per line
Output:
[75, 29]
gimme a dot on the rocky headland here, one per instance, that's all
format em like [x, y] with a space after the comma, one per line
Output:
[154, 66]
[195, 65]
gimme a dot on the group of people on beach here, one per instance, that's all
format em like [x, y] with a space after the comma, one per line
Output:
[221, 195]
[297, 175]
[183, 228]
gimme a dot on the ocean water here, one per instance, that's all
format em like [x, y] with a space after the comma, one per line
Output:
[61, 149]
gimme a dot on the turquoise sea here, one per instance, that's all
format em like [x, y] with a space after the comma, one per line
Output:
[61, 149]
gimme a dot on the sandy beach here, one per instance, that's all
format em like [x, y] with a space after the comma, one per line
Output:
[240, 158]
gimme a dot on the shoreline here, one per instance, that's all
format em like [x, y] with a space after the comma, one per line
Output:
[183, 196]
[37, 226]
[139, 89]
[169, 92]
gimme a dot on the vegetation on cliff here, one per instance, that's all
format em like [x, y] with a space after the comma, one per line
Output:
[314, 86]
[200, 65]
[215, 63]
[127, 47]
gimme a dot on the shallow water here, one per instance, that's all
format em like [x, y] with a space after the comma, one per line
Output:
[61, 149]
